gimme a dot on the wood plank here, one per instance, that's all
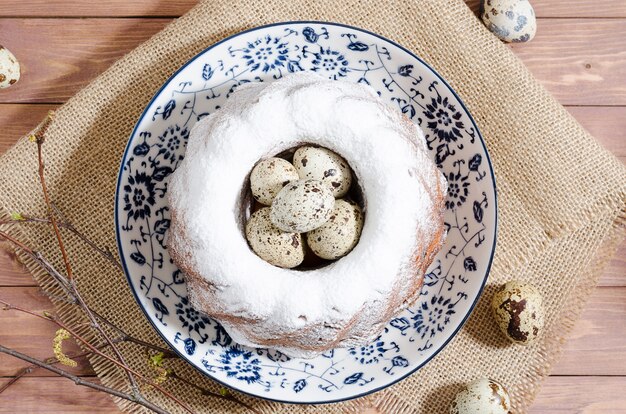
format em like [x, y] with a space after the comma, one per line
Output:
[615, 271]
[109, 8]
[31, 335]
[580, 8]
[13, 273]
[606, 123]
[145, 8]
[582, 62]
[53, 396]
[589, 395]
[568, 8]
[60, 56]
[17, 120]
[582, 395]
[81, 8]
[597, 346]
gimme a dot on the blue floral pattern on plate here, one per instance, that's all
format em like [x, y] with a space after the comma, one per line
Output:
[157, 146]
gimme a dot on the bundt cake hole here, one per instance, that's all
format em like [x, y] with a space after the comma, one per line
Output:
[249, 205]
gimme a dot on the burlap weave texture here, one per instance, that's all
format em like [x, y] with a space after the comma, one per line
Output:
[561, 196]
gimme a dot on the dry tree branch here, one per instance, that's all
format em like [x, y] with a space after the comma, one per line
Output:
[204, 391]
[42, 262]
[124, 337]
[24, 371]
[66, 224]
[80, 381]
[30, 368]
[96, 351]
[127, 338]
[39, 138]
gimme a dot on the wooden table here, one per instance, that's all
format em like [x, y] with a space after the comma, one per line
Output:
[578, 54]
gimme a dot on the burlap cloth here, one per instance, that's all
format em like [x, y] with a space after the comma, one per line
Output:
[562, 197]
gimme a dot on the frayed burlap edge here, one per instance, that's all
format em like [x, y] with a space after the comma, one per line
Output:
[562, 329]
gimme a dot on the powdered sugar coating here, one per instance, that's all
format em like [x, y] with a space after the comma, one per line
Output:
[348, 301]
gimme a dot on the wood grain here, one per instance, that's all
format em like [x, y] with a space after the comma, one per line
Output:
[615, 271]
[567, 395]
[17, 120]
[581, 61]
[568, 8]
[145, 8]
[13, 273]
[31, 335]
[53, 396]
[581, 395]
[82, 8]
[606, 123]
[597, 346]
[579, 8]
[60, 56]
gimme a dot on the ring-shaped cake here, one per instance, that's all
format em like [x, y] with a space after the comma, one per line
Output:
[348, 302]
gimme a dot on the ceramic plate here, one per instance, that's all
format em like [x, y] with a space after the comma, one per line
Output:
[157, 146]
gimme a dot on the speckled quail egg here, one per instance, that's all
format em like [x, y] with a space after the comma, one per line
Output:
[269, 176]
[339, 234]
[324, 165]
[483, 396]
[518, 310]
[302, 206]
[9, 68]
[271, 244]
[510, 20]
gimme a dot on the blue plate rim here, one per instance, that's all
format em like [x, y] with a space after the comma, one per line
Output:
[145, 111]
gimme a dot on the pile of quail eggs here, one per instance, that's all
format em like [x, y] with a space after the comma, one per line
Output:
[304, 204]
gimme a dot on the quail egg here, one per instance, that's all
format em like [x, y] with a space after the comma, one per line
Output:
[269, 176]
[302, 206]
[510, 20]
[324, 165]
[271, 244]
[338, 236]
[483, 396]
[9, 68]
[518, 310]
